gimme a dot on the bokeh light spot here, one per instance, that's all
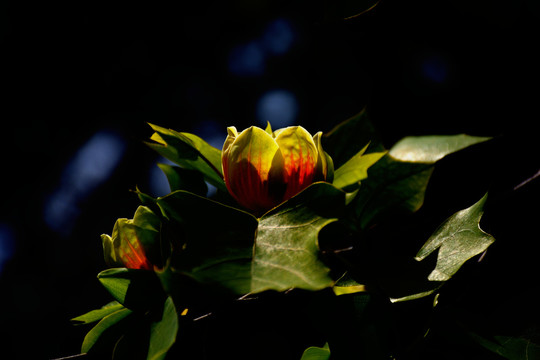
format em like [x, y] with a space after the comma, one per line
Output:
[279, 107]
[279, 36]
[7, 244]
[435, 68]
[91, 165]
[247, 59]
[157, 180]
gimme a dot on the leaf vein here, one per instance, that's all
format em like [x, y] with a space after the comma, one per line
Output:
[277, 247]
[287, 269]
[288, 226]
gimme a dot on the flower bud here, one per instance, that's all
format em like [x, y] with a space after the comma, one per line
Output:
[264, 168]
[134, 243]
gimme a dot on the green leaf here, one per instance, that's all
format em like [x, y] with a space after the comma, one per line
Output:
[350, 137]
[190, 152]
[430, 149]
[104, 329]
[316, 353]
[392, 187]
[355, 169]
[416, 296]
[286, 251]
[218, 240]
[163, 332]
[347, 285]
[134, 242]
[96, 315]
[184, 179]
[397, 183]
[150, 336]
[458, 239]
[135, 289]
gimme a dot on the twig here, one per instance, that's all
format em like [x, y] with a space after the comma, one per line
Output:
[203, 317]
[78, 356]
[525, 182]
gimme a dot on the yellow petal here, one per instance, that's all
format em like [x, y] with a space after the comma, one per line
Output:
[255, 146]
[300, 156]
[321, 169]
[247, 163]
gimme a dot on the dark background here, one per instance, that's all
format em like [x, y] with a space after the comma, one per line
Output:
[80, 81]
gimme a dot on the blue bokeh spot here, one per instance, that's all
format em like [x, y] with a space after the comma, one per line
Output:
[279, 107]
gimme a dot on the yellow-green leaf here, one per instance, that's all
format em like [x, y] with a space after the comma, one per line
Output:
[286, 251]
[98, 314]
[105, 325]
[190, 152]
[316, 353]
[356, 168]
[430, 149]
[163, 332]
[458, 239]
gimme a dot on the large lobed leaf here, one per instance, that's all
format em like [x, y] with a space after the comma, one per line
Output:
[286, 253]
[458, 239]
[217, 243]
[231, 249]
[398, 182]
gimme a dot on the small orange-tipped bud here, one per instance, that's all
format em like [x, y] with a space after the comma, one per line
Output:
[134, 242]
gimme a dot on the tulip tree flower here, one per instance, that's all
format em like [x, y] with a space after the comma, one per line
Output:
[263, 168]
[132, 243]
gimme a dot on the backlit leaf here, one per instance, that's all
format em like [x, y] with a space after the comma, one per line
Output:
[429, 149]
[316, 353]
[286, 251]
[163, 332]
[96, 315]
[190, 152]
[347, 285]
[458, 239]
[397, 183]
[355, 169]
[104, 326]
